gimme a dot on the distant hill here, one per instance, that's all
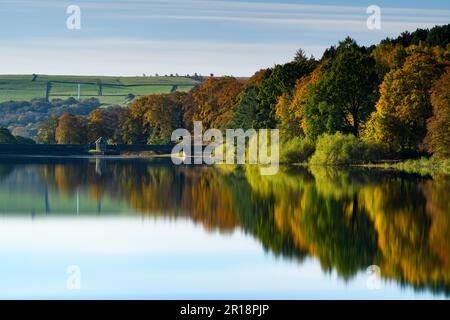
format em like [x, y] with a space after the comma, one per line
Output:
[114, 90]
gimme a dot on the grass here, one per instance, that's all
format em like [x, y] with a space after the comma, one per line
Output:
[423, 166]
[20, 87]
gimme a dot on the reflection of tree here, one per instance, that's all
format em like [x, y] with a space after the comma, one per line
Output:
[335, 230]
[5, 170]
[258, 217]
[348, 220]
[438, 209]
[338, 232]
[406, 225]
[207, 200]
[352, 219]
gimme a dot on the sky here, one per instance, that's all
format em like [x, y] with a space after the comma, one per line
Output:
[226, 37]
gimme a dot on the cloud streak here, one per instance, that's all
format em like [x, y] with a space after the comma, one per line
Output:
[113, 56]
[185, 36]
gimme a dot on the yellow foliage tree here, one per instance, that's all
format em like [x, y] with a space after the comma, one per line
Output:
[404, 105]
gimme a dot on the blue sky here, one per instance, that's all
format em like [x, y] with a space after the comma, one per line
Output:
[186, 36]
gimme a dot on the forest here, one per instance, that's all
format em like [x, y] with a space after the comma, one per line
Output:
[355, 104]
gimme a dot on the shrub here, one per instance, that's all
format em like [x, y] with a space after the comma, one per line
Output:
[296, 150]
[6, 137]
[24, 140]
[341, 149]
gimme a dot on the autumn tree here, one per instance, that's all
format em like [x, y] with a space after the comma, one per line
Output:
[47, 131]
[151, 119]
[280, 80]
[106, 123]
[438, 135]
[71, 129]
[133, 129]
[117, 115]
[216, 100]
[100, 125]
[290, 108]
[163, 116]
[387, 57]
[404, 105]
[188, 109]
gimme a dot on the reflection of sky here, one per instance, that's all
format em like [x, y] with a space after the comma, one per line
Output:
[158, 258]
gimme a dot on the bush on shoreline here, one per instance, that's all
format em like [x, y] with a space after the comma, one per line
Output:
[7, 138]
[296, 150]
[342, 149]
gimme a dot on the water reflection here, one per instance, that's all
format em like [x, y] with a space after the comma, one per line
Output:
[347, 220]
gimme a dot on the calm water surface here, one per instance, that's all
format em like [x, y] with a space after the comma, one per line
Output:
[139, 228]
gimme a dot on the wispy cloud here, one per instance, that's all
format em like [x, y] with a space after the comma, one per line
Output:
[321, 17]
[318, 23]
[186, 36]
[128, 56]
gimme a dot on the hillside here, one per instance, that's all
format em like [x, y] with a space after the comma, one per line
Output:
[114, 90]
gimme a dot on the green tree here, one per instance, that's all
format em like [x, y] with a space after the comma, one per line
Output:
[280, 80]
[345, 93]
[248, 100]
[436, 36]
[344, 240]
[291, 110]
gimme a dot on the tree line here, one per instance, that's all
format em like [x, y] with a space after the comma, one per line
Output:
[394, 95]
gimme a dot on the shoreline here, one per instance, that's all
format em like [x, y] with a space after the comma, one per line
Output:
[422, 166]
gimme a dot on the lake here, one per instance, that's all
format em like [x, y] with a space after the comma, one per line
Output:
[129, 228]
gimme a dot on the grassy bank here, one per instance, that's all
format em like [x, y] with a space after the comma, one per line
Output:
[424, 166]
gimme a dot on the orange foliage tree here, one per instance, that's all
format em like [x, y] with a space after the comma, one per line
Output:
[438, 136]
[216, 100]
[71, 129]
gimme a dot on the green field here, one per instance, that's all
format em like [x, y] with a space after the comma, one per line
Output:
[21, 87]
